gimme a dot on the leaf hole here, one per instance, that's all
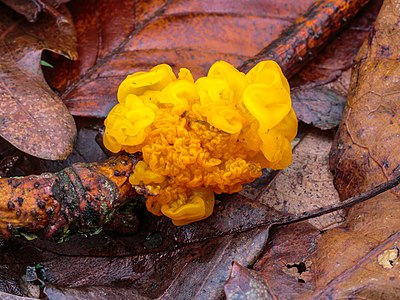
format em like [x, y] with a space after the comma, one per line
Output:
[301, 267]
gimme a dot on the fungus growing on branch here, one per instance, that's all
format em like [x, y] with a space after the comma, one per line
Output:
[201, 137]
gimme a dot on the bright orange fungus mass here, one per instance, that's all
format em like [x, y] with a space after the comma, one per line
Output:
[201, 137]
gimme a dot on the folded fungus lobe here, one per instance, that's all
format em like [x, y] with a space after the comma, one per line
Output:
[201, 137]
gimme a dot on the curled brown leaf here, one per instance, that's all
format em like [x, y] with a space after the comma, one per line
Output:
[366, 150]
[32, 116]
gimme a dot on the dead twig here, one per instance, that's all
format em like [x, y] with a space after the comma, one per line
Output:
[308, 35]
[80, 198]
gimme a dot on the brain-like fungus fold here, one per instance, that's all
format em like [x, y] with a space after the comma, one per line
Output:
[201, 137]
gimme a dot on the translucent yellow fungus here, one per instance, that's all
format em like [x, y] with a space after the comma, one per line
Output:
[201, 137]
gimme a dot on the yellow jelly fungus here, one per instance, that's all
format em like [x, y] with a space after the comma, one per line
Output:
[201, 137]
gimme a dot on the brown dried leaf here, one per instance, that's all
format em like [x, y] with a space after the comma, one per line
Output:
[285, 265]
[31, 8]
[92, 293]
[6, 296]
[346, 261]
[358, 260]
[366, 150]
[118, 38]
[307, 183]
[318, 105]
[86, 149]
[245, 284]
[32, 117]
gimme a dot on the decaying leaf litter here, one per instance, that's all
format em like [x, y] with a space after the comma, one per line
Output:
[27, 104]
[162, 236]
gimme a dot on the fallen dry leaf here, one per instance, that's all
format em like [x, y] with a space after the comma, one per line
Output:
[320, 106]
[245, 284]
[346, 260]
[31, 8]
[91, 293]
[6, 296]
[307, 183]
[285, 266]
[126, 36]
[32, 117]
[15, 163]
[355, 260]
[366, 150]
